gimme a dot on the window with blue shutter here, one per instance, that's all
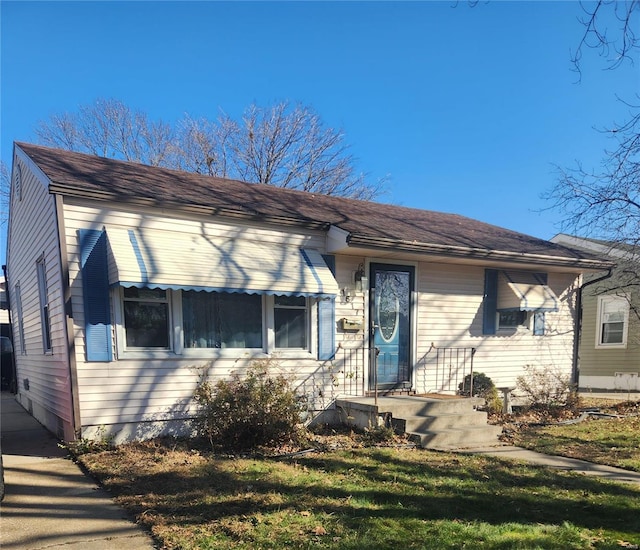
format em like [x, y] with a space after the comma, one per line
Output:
[95, 289]
[327, 319]
[490, 302]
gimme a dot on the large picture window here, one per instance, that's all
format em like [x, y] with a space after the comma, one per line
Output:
[146, 317]
[613, 320]
[221, 320]
[196, 323]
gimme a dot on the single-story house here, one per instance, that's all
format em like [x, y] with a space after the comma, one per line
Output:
[129, 282]
[609, 349]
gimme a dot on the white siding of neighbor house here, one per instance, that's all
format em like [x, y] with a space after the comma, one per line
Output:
[32, 234]
[144, 390]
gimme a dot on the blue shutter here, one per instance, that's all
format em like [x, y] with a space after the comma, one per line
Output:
[490, 303]
[327, 320]
[95, 290]
[538, 323]
[538, 316]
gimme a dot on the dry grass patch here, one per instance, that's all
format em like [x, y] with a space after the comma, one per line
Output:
[357, 497]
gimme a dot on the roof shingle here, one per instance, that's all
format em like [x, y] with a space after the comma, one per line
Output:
[365, 221]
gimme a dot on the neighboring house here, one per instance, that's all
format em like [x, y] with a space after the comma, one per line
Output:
[609, 350]
[128, 283]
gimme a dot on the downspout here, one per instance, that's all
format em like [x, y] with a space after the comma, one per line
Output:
[578, 326]
[14, 378]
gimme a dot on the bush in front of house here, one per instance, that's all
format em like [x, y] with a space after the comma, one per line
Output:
[255, 408]
[546, 387]
[483, 387]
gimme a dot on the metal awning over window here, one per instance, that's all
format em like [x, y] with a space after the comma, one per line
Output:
[524, 291]
[161, 259]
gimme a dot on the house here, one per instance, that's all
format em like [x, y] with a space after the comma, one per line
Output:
[128, 283]
[609, 348]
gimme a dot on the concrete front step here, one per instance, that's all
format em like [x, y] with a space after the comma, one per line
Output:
[433, 423]
[421, 423]
[457, 438]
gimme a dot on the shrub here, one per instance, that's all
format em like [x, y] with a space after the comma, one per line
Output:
[257, 408]
[546, 387]
[483, 387]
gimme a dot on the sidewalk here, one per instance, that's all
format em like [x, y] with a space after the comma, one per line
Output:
[558, 462]
[49, 502]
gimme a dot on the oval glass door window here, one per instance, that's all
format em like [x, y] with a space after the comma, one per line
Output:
[388, 310]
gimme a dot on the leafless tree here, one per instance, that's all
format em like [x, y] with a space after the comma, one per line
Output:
[605, 202]
[109, 128]
[283, 145]
[615, 47]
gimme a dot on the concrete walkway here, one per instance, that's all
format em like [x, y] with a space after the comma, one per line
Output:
[49, 502]
[558, 463]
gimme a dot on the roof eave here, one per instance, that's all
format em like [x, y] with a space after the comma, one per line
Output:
[477, 253]
[190, 208]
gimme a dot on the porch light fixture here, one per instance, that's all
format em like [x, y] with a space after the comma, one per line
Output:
[360, 281]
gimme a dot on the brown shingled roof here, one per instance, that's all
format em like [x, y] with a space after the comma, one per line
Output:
[367, 222]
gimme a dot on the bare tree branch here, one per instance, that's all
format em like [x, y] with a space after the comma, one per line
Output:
[281, 145]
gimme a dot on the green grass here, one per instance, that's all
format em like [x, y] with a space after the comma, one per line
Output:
[356, 498]
[610, 441]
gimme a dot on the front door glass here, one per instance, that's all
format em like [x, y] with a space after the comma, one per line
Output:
[391, 314]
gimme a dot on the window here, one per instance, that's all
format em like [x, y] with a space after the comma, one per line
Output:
[18, 299]
[511, 319]
[203, 321]
[613, 321]
[18, 182]
[515, 299]
[221, 320]
[146, 317]
[44, 304]
[290, 315]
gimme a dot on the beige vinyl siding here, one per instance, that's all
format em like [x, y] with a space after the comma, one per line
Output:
[606, 362]
[46, 374]
[146, 389]
[450, 316]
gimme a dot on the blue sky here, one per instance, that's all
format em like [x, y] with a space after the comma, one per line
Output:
[465, 109]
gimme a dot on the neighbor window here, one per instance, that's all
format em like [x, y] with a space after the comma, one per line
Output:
[221, 320]
[613, 321]
[146, 317]
[290, 318]
[44, 304]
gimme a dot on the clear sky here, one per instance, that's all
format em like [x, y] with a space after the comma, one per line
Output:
[467, 109]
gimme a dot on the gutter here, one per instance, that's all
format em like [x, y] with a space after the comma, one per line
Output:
[575, 372]
[289, 221]
[476, 253]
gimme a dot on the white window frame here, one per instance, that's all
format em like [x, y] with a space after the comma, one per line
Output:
[121, 333]
[45, 313]
[18, 300]
[600, 320]
[176, 333]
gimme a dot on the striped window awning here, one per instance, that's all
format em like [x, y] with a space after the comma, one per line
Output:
[152, 258]
[525, 291]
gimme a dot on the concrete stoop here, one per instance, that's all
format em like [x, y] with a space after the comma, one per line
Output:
[443, 424]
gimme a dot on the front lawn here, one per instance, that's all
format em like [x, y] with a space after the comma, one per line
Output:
[612, 440]
[363, 497]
